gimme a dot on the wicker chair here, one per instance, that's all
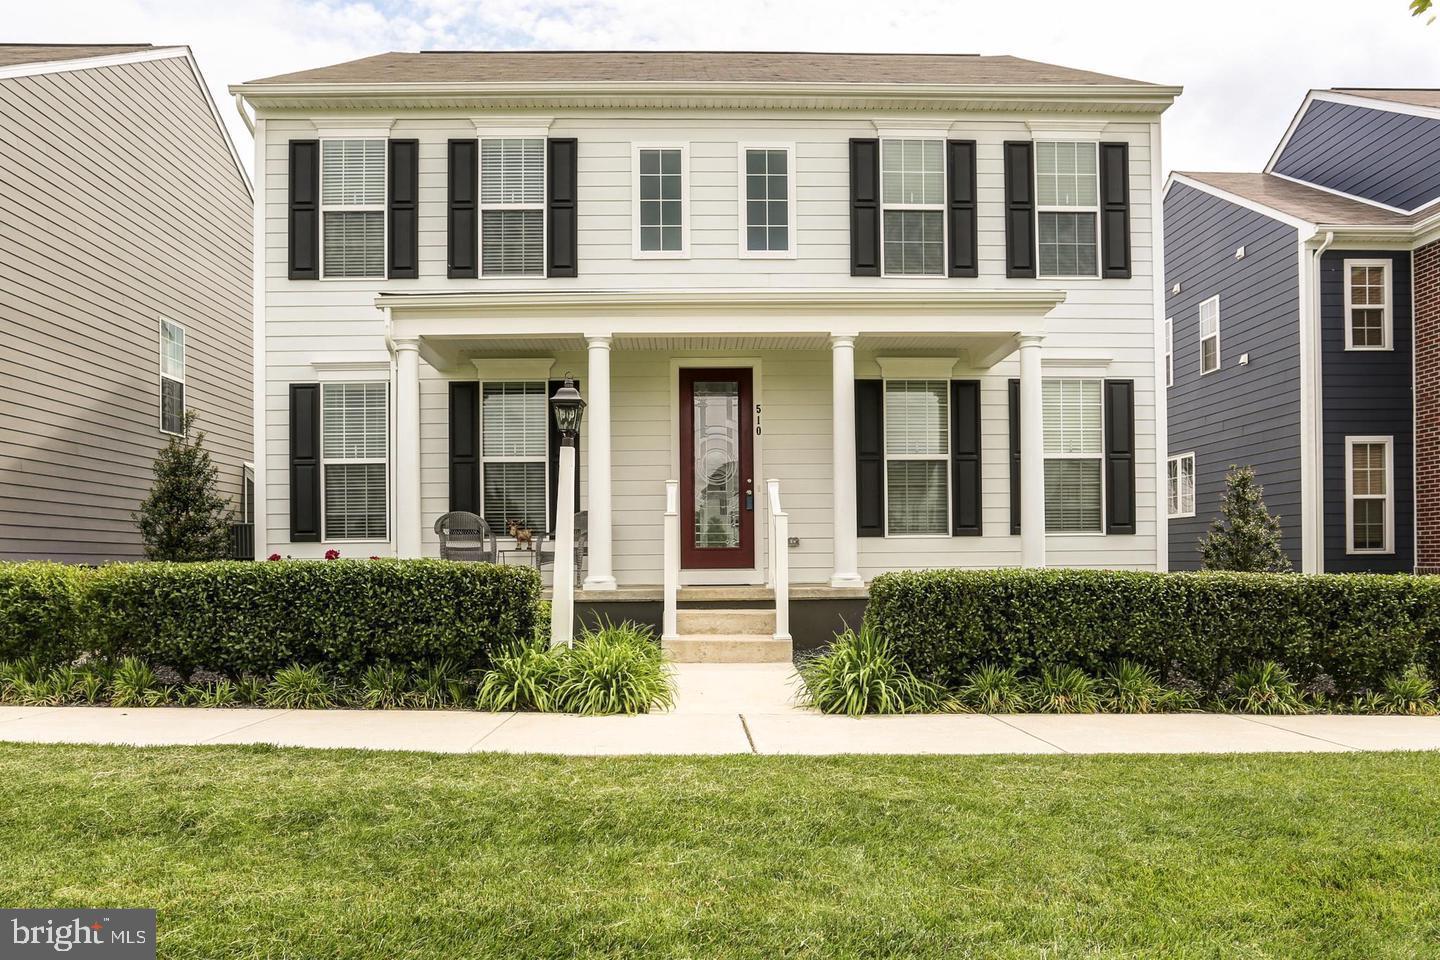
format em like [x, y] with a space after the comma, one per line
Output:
[466, 536]
[545, 549]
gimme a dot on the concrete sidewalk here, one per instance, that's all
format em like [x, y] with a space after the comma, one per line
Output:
[721, 709]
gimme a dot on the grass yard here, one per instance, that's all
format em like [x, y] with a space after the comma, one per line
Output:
[264, 853]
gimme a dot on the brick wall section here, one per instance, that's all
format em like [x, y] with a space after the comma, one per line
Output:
[1427, 408]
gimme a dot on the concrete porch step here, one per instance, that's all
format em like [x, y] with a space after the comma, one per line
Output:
[727, 648]
[757, 622]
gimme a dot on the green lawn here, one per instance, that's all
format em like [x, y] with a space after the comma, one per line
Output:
[263, 853]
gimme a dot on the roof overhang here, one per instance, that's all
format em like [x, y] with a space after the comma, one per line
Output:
[707, 95]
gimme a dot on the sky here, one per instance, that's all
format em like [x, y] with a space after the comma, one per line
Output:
[1245, 64]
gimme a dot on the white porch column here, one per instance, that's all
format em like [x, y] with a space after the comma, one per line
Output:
[407, 448]
[1032, 455]
[600, 574]
[842, 403]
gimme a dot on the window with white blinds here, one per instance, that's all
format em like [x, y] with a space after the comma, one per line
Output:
[514, 446]
[1074, 455]
[512, 206]
[352, 207]
[917, 457]
[1180, 486]
[172, 377]
[912, 192]
[354, 440]
[1067, 203]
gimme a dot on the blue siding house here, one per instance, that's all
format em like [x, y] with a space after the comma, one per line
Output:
[1291, 334]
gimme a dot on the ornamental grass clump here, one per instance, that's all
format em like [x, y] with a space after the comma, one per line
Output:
[1063, 690]
[614, 669]
[523, 678]
[860, 674]
[1131, 687]
[300, 688]
[993, 689]
[1265, 687]
[1411, 693]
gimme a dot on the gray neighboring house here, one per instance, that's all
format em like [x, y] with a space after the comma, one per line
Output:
[1303, 306]
[125, 291]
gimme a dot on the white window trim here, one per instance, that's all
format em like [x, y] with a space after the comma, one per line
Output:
[482, 206]
[1387, 322]
[745, 252]
[684, 252]
[1180, 511]
[1350, 495]
[1169, 352]
[1098, 457]
[184, 363]
[1216, 335]
[922, 457]
[940, 207]
[1039, 209]
[389, 470]
[502, 533]
[382, 208]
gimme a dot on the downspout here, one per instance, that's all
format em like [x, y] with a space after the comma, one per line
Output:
[1313, 528]
[244, 115]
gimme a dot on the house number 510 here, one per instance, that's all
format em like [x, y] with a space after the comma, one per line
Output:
[758, 431]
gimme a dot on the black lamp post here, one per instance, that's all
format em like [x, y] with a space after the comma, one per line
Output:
[569, 408]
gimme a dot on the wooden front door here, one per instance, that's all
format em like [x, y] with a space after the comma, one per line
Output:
[717, 473]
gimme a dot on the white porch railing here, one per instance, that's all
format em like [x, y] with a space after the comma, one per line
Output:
[671, 558]
[778, 568]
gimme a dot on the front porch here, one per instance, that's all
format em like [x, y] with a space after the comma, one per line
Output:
[775, 401]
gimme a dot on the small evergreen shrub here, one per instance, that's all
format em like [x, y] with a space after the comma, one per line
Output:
[184, 518]
[1245, 538]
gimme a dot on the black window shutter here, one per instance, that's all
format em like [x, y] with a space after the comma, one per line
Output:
[1119, 456]
[870, 457]
[865, 208]
[960, 208]
[555, 452]
[1019, 208]
[404, 209]
[304, 463]
[304, 209]
[465, 447]
[562, 254]
[1014, 456]
[462, 214]
[1115, 210]
[965, 458]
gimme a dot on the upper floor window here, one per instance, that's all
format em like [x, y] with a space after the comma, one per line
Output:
[352, 208]
[512, 206]
[514, 438]
[917, 457]
[661, 217]
[354, 432]
[172, 377]
[1180, 486]
[1367, 305]
[1067, 196]
[1369, 500]
[768, 181]
[1169, 353]
[1210, 335]
[912, 194]
[1074, 455]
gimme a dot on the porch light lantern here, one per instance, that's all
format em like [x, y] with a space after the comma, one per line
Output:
[569, 408]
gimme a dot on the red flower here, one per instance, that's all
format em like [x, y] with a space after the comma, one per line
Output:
[332, 554]
[374, 557]
[273, 556]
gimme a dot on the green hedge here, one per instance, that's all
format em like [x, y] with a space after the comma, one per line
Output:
[237, 617]
[1354, 629]
[40, 611]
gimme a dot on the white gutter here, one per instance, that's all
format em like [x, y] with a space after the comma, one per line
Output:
[245, 115]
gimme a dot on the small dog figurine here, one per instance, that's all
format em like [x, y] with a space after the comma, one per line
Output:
[524, 536]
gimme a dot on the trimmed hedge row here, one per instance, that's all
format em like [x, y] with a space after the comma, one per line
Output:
[238, 617]
[1197, 627]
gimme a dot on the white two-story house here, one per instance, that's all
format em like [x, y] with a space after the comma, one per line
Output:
[917, 292]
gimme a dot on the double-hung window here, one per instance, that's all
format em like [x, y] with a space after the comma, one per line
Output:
[354, 432]
[1074, 455]
[1210, 335]
[661, 218]
[1169, 353]
[1369, 495]
[1367, 305]
[514, 437]
[767, 184]
[172, 377]
[352, 208]
[1180, 486]
[912, 193]
[1067, 198]
[512, 206]
[917, 457]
